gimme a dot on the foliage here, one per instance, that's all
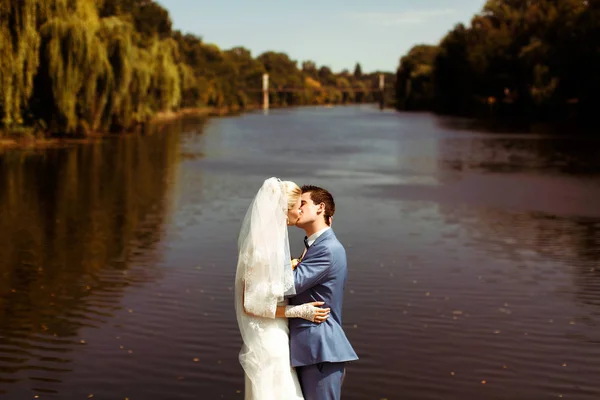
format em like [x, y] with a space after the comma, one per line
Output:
[82, 66]
[535, 59]
[19, 44]
[415, 77]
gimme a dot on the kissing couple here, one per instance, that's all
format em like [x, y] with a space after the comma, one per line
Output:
[305, 359]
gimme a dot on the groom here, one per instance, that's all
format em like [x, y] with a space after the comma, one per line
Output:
[319, 351]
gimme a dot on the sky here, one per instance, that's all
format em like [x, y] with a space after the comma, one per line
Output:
[335, 33]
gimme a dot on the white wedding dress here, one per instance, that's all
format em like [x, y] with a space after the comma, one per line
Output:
[263, 277]
[275, 379]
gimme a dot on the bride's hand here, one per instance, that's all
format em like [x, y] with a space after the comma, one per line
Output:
[295, 263]
[308, 311]
[320, 314]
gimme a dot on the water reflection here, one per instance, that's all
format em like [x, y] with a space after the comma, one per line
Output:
[514, 126]
[78, 226]
[505, 152]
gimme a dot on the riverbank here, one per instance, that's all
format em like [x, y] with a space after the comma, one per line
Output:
[29, 138]
[31, 141]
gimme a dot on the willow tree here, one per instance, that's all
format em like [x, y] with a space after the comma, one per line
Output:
[75, 65]
[165, 80]
[188, 85]
[155, 82]
[138, 105]
[19, 45]
[100, 74]
[116, 35]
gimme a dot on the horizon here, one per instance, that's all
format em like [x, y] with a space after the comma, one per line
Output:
[376, 35]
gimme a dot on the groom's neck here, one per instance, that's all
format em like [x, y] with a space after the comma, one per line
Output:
[315, 227]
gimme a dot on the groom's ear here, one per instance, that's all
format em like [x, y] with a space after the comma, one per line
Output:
[321, 208]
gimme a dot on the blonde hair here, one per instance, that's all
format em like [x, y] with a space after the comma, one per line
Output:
[293, 193]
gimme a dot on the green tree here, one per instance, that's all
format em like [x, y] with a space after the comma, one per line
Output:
[248, 80]
[19, 44]
[536, 59]
[283, 74]
[82, 66]
[415, 87]
[309, 68]
[452, 73]
[357, 71]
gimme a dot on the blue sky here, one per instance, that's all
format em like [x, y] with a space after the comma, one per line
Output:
[336, 33]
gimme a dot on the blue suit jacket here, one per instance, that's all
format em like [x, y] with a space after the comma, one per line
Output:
[321, 276]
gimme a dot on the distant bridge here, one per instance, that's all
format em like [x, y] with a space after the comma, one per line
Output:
[356, 89]
[346, 89]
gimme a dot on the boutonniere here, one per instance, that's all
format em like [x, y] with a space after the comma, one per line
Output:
[295, 262]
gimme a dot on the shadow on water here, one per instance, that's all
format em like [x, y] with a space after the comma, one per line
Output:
[78, 226]
[525, 153]
[517, 126]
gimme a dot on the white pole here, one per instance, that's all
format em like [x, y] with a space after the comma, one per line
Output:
[381, 91]
[265, 92]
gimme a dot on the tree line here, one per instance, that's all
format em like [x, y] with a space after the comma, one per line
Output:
[536, 59]
[71, 67]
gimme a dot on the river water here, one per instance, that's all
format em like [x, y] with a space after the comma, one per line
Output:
[474, 267]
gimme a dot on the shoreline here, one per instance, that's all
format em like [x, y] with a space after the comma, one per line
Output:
[29, 141]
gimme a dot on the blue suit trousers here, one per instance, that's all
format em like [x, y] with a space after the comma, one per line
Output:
[322, 381]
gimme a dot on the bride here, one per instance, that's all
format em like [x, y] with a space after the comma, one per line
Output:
[264, 277]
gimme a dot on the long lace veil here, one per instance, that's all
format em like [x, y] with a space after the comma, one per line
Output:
[264, 274]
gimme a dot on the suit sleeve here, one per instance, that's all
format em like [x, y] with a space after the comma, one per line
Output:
[312, 271]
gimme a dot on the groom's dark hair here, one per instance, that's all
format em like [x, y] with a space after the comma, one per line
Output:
[319, 195]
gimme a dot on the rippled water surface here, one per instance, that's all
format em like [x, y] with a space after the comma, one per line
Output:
[474, 267]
